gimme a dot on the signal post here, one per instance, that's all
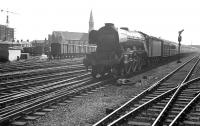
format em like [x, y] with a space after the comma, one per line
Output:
[179, 44]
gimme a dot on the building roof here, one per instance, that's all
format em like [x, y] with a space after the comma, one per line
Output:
[71, 35]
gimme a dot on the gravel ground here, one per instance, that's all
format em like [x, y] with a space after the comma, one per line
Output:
[87, 110]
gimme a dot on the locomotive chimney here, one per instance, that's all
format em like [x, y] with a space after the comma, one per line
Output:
[109, 24]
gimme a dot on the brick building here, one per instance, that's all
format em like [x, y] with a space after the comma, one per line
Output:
[35, 43]
[25, 44]
[68, 37]
[6, 33]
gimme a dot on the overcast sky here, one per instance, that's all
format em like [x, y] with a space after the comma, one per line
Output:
[35, 19]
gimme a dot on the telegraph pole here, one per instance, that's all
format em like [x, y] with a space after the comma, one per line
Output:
[179, 44]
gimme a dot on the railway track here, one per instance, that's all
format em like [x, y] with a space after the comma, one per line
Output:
[14, 94]
[184, 95]
[151, 107]
[190, 114]
[34, 72]
[24, 99]
[31, 101]
[32, 64]
[21, 84]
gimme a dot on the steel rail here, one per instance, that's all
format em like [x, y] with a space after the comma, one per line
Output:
[52, 83]
[41, 99]
[42, 72]
[55, 83]
[182, 113]
[32, 65]
[34, 91]
[148, 103]
[157, 121]
[43, 96]
[35, 81]
[113, 114]
[37, 70]
[144, 105]
[37, 77]
[53, 98]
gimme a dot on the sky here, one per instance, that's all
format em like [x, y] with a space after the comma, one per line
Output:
[35, 19]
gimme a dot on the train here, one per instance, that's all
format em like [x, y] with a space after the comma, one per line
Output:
[65, 50]
[121, 51]
[61, 50]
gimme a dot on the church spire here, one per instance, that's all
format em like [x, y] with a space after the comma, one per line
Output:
[91, 22]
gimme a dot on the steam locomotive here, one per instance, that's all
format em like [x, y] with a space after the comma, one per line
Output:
[121, 52]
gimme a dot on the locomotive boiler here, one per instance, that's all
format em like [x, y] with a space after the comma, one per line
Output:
[118, 52]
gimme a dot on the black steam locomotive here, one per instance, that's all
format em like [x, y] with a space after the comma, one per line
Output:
[121, 52]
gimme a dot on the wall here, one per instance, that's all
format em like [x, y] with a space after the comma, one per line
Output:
[13, 54]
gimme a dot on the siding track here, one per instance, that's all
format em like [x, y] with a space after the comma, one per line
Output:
[152, 105]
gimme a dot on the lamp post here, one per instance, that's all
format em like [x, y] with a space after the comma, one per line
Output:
[179, 44]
